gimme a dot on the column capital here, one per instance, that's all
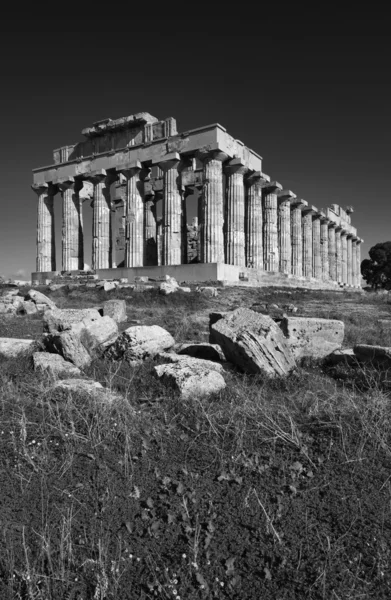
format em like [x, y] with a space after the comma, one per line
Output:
[272, 187]
[299, 203]
[65, 183]
[235, 165]
[168, 161]
[285, 195]
[130, 168]
[310, 210]
[40, 188]
[256, 177]
[101, 174]
[208, 153]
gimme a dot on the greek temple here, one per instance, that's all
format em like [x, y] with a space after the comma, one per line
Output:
[139, 174]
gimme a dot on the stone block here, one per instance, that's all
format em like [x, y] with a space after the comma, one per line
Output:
[71, 318]
[311, 337]
[140, 279]
[54, 364]
[13, 347]
[209, 291]
[108, 286]
[141, 342]
[69, 346]
[99, 335]
[28, 308]
[40, 298]
[253, 342]
[91, 388]
[191, 379]
[116, 309]
[173, 358]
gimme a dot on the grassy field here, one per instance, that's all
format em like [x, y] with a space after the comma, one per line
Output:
[273, 489]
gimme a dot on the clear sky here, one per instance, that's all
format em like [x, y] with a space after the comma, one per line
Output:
[312, 98]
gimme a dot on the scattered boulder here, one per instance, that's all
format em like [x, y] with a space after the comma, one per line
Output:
[40, 298]
[253, 342]
[141, 342]
[109, 285]
[208, 291]
[54, 364]
[191, 379]
[185, 290]
[216, 316]
[68, 344]
[312, 338]
[169, 286]
[172, 358]
[290, 308]
[28, 307]
[116, 309]
[71, 318]
[99, 334]
[378, 356]
[13, 347]
[202, 350]
[139, 279]
[7, 309]
[53, 287]
[93, 389]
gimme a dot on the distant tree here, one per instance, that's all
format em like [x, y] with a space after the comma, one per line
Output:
[376, 270]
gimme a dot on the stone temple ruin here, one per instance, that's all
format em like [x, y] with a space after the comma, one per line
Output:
[138, 172]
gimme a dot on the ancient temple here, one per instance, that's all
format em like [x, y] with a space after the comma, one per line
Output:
[137, 172]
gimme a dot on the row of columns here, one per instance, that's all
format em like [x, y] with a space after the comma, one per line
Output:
[263, 226]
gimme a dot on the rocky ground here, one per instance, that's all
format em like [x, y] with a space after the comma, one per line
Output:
[273, 488]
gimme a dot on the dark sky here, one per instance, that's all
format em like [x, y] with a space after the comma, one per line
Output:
[312, 97]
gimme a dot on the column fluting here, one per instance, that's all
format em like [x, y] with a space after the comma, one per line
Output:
[172, 210]
[234, 222]
[72, 225]
[338, 254]
[46, 248]
[297, 237]
[284, 200]
[332, 251]
[344, 257]
[324, 247]
[134, 215]
[211, 208]
[307, 242]
[349, 261]
[316, 254]
[101, 220]
[254, 222]
[270, 227]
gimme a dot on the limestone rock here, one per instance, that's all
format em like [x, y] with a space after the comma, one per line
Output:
[100, 334]
[140, 342]
[139, 279]
[202, 350]
[208, 291]
[28, 307]
[109, 285]
[216, 316]
[91, 388]
[40, 298]
[172, 358]
[68, 344]
[71, 318]
[253, 342]
[378, 356]
[191, 379]
[116, 309]
[315, 338]
[186, 290]
[169, 286]
[54, 364]
[7, 308]
[12, 347]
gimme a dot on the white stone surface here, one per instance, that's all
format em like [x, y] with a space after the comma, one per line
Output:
[253, 342]
[140, 342]
[71, 318]
[191, 379]
[100, 334]
[13, 347]
[54, 364]
[172, 358]
[116, 309]
[311, 337]
[40, 298]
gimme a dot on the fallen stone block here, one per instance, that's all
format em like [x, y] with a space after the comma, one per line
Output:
[54, 364]
[28, 308]
[253, 342]
[71, 318]
[312, 338]
[192, 380]
[99, 334]
[186, 290]
[93, 389]
[69, 346]
[377, 356]
[169, 287]
[141, 342]
[208, 291]
[202, 350]
[142, 287]
[216, 316]
[13, 347]
[140, 279]
[109, 285]
[172, 358]
[116, 309]
[7, 309]
[40, 298]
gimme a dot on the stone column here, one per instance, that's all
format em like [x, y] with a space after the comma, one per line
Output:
[338, 254]
[254, 221]
[307, 241]
[354, 262]
[134, 215]
[285, 198]
[101, 220]
[324, 246]
[211, 214]
[46, 247]
[332, 252]
[270, 227]
[234, 222]
[72, 225]
[349, 265]
[316, 256]
[172, 210]
[297, 237]
[344, 257]
[359, 242]
[150, 231]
